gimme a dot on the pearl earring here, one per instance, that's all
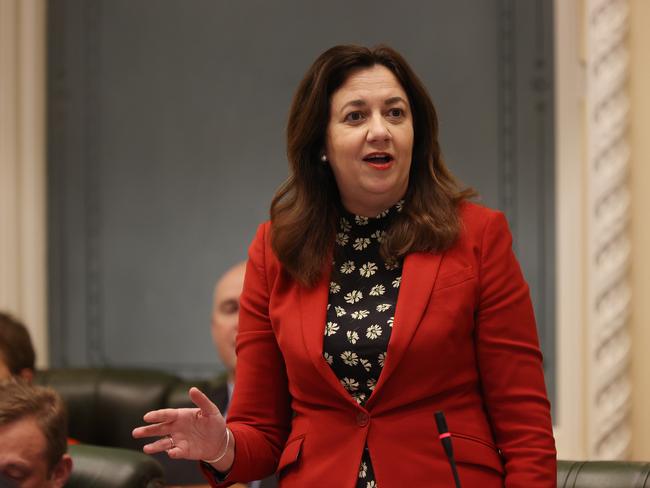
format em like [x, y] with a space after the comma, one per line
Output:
[323, 158]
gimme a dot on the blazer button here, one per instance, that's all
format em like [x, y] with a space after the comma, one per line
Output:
[362, 419]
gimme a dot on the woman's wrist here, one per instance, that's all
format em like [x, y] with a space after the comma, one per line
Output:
[225, 459]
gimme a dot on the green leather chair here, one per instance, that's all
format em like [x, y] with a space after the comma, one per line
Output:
[603, 474]
[109, 467]
[105, 404]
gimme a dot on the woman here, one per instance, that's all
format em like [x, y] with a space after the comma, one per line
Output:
[376, 295]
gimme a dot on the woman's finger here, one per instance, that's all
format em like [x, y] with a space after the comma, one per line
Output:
[151, 430]
[203, 402]
[162, 444]
[175, 453]
[160, 416]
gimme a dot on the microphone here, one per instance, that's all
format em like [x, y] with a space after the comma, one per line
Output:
[445, 439]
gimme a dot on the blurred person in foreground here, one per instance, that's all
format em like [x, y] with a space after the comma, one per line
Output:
[17, 357]
[377, 295]
[33, 436]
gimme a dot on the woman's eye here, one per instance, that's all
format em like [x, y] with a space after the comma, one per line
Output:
[395, 112]
[354, 117]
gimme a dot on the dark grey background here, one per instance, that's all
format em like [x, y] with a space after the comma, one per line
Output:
[166, 144]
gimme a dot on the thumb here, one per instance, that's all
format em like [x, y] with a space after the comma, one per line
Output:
[203, 402]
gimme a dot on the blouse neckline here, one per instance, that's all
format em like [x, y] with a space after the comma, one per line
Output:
[350, 222]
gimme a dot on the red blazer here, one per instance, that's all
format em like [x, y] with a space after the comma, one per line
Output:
[464, 341]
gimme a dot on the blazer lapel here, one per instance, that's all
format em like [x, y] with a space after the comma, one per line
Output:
[313, 313]
[418, 276]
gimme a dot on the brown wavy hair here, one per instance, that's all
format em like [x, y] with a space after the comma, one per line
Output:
[306, 208]
[20, 400]
[16, 348]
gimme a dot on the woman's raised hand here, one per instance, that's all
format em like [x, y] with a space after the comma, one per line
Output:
[186, 433]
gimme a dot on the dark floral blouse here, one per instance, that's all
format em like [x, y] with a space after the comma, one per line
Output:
[362, 298]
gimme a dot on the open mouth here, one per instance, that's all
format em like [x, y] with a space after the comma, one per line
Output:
[378, 158]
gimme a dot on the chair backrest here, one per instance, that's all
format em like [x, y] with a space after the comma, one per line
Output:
[105, 404]
[109, 467]
[603, 474]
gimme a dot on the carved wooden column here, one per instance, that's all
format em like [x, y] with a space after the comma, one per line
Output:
[607, 105]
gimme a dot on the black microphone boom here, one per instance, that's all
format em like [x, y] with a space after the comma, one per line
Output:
[445, 439]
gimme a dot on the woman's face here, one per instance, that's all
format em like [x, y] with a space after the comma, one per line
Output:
[370, 140]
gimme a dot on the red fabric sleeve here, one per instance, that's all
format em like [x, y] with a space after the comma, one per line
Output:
[510, 364]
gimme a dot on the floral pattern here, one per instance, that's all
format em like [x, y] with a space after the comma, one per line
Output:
[362, 297]
[331, 328]
[368, 269]
[360, 243]
[353, 337]
[335, 287]
[359, 314]
[347, 267]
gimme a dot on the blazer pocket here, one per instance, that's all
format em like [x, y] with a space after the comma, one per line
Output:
[446, 280]
[472, 450]
[290, 454]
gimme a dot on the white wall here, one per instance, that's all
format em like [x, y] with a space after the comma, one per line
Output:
[22, 167]
[571, 246]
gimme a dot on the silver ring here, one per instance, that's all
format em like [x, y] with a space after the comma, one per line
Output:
[169, 436]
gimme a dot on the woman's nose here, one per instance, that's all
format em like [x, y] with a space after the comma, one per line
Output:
[378, 129]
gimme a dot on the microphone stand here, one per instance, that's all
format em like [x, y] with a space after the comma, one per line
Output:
[445, 439]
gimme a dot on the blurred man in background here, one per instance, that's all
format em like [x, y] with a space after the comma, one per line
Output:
[224, 326]
[33, 433]
[225, 323]
[225, 318]
[17, 357]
